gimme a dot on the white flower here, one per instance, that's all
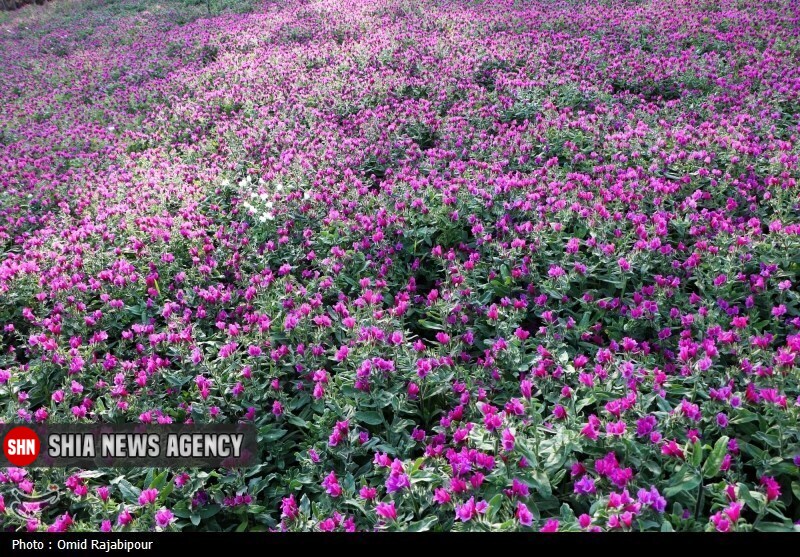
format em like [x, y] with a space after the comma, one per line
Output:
[263, 196]
[269, 204]
[279, 187]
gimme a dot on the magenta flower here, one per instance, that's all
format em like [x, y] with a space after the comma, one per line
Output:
[721, 522]
[164, 518]
[556, 272]
[771, 487]
[441, 496]
[523, 514]
[671, 448]
[103, 492]
[526, 388]
[61, 523]
[124, 518]
[331, 485]
[585, 486]
[368, 493]
[148, 496]
[386, 511]
[289, 508]
[508, 440]
[466, 511]
[551, 525]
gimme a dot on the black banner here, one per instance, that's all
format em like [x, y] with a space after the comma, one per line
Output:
[217, 543]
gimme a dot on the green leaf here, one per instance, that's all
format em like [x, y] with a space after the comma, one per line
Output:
[371, 418]
[687, 484]
[697, 455]
[425, 324]
[305, 505]
[774, 527]
[494, 506]
[160, 480]
[714, 460]
[177, 380]
[298, 421]
[422, 525]
[753, 499]
[356, 504]
[129, 492]
[744, 416]
[796, 489]
[180, 510]
[209, 510]
[528, 454]
[164, 493]
[755, 452]
[274, 435]
[566, 513]
[417, 465]
[541, 483]
[770, 439]
[557, 477]
[776, 513]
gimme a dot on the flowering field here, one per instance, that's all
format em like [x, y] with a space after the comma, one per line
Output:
[465, 265]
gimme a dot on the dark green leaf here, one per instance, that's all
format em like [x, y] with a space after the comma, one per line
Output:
[714, 460]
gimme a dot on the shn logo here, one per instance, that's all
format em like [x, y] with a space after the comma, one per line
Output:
[21, 446]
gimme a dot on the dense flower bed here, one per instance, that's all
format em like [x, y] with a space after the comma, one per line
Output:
[466, 266]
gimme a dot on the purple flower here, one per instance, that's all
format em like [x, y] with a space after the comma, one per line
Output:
[124, 517]
[386, 511]
[550, 526]
[397, 482]
[441, 496]
[585, 486]
[331, 485]
[508, 440]
[148, 496]
[652, 498]
[367, 493]
[524, 515]
[164, 517]
[466, 511]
